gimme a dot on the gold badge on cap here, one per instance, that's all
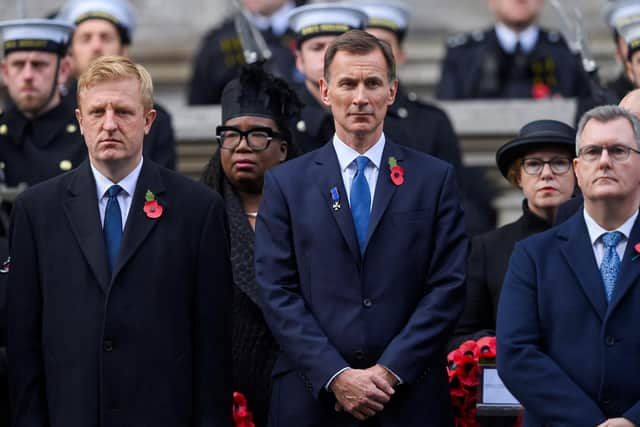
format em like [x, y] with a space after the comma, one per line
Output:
[301, 126]
[65, 165]
[4, 129]
[71, 128]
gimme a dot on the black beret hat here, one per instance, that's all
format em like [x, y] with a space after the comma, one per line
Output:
[535, 135]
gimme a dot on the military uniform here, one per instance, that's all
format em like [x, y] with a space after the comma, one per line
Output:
[427, 128]
[476, 66]
[220, 58]
[159, 144]
[315, 125]
[33, 150]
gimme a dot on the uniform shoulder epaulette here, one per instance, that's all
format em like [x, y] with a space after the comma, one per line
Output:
[461, 39]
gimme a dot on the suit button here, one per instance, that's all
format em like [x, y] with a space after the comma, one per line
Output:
[606, 402]
[359, 355]
[367, 302]
[107, 346]
[610, 340]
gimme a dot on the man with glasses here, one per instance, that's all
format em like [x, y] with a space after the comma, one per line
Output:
[569, 308]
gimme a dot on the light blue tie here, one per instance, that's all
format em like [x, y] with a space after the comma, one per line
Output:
[610, 266]
[360, 199]
[113, 225]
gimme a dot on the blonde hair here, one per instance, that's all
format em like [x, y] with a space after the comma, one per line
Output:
[113, 68]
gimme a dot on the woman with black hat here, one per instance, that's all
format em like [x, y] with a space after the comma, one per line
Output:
[539, 162]
[254, 137]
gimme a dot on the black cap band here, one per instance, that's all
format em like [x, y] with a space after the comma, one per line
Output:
[34, 44]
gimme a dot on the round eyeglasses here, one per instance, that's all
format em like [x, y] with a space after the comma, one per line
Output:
[258, 138]
[617, 152]
[534, 166]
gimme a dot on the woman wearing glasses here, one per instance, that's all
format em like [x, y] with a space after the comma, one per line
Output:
[539, 162]
[254, 137]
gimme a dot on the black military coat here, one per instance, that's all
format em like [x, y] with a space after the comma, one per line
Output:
[475, 66]
[33, 150]
[219, 59]
[314, 126]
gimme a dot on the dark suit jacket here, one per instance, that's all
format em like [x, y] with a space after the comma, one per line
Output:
[329, 307]
[569, 357]
[148, 347]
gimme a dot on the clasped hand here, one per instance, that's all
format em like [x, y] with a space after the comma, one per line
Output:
[363, 392]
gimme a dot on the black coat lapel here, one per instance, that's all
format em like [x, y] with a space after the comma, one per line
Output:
[578, 252]
[327, 176]
[630, 268]
[138, 225]
[81, 208]
[384, 187]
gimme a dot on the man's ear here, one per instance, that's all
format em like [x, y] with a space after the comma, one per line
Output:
[149, 118]
[324, 92]
[4, 70]
[284, 148]
[64, 70]
[393, 90]
[79, 119]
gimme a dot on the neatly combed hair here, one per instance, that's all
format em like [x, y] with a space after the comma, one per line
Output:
[358, 42]
[114, 68]
[604, 114]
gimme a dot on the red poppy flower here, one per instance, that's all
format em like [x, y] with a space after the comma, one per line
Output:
[397, 175]
[540, 91]
[487, 346]
[242, 417]
[153, 209]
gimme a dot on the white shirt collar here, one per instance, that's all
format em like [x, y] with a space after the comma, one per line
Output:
[508, 38]
[278, 21]
[595, 230]
[346, 155]
[128, 183]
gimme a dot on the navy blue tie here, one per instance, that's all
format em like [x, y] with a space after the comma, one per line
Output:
[360, 199]
[610, 266]
[113, 225]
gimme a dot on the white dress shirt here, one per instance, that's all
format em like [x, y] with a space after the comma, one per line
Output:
[596, 231]
[128, 185]
[348, 167]
[278, 21]
[509, 38]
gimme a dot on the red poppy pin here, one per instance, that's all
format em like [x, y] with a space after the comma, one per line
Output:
[151, 206]
[636, 248]
[397, 173]
[540, 91]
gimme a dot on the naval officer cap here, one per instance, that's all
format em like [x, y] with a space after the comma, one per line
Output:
[45, 35]
[119, 12]
[324, 19]
[631, 34]
[388, 15]
[620, 13]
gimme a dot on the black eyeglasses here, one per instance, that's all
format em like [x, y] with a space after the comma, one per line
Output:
[534, 166]
[258, 138]
[617, 152]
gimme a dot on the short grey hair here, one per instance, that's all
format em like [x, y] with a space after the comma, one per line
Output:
[604, 114]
